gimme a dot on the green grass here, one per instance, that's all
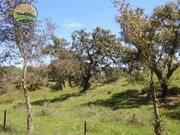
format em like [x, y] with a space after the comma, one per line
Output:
[23, 18]
[118, 108]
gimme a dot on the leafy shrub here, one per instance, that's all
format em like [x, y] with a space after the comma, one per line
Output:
[33, 86]
[6, 87]
[136, 77]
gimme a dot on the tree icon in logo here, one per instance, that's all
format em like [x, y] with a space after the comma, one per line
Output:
[25, 13]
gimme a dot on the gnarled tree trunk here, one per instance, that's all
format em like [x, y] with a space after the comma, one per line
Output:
[157, 121]
[164, 90]
[27, 99]
[86, 84]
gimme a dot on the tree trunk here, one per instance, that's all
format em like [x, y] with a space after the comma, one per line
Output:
[164, 90]
[70, 82]
[27, 99]
[157, 124]
[59, 84]
[64, 84]
[86, 84]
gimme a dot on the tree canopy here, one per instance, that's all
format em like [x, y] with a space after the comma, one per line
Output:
[155, 36]
[97, 48]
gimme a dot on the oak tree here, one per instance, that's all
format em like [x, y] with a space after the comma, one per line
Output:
[155, 36]
[65, 65]
[97, 48]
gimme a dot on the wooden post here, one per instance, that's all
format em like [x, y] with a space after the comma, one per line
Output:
[4, 124]
[85, 128]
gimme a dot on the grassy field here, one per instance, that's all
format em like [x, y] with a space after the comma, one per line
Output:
[24, 18]
[118, 108]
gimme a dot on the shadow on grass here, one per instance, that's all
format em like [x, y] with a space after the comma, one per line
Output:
[128, 99]
[174, 91]
[56, 99]
[173, 115]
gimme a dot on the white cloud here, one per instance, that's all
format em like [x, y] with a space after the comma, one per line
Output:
[71, 24]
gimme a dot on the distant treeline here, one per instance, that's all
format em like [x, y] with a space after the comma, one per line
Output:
[26, 13]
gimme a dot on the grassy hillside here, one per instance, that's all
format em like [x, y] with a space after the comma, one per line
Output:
[118, 108]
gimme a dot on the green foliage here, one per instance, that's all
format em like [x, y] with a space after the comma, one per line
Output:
[136, 76]
[97, 49]
[33, 86]
[10, 76]
[155, 37]
[129, 57]
[6, 87]
[111, 74]
[37, 77]
[66, 66]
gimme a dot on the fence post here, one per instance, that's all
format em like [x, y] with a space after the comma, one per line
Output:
[4, 124]
[85, 128]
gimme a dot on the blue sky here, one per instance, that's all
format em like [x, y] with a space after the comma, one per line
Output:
[72, 15]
